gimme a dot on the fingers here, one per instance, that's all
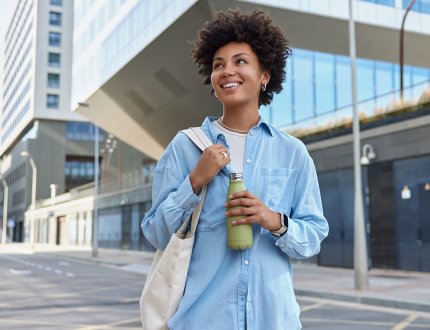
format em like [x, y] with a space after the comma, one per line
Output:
[251, 209]
[242, 194]
[243, 211]
[218, 153]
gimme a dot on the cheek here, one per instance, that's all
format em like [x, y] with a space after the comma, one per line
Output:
[214, 80]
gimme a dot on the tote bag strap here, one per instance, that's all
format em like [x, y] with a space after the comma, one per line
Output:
[200, 139]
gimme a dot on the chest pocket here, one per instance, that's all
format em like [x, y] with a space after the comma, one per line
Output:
[278, 188]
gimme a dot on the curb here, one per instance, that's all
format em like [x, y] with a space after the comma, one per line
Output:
[409, 305]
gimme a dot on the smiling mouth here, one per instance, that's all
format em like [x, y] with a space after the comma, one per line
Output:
[230, 85]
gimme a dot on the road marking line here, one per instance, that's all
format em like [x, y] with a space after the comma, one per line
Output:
[57, 271]
[48, 269]
[40, 266]
[307, 308]
[70, 274]
[19, 272]
[64, 263]
[402, 325]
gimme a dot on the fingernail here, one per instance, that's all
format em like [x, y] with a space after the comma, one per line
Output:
[230, 196]
[233, 222]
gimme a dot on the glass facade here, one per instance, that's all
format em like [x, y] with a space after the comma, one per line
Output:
[319, 84]
[381, 2]
[78, 171]
[81, 131]
[421, 6]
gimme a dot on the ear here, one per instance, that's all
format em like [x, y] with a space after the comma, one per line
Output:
[265, 74]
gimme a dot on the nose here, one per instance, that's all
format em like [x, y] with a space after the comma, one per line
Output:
[228, 71]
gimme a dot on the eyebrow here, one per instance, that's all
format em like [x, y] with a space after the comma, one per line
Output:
[234, 56]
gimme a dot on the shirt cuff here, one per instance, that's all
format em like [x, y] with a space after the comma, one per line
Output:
[287, 239]
[185, 198]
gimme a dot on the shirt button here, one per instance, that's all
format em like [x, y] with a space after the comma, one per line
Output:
[246, 262]
[248, 299]
[251, 132]
[248, 161]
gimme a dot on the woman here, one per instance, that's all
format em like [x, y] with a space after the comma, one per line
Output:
[243, 57]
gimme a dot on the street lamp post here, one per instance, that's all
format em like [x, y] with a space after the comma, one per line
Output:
[33, 196]
[95, 252]
[5, 195]
[402, 32]
[360, 247]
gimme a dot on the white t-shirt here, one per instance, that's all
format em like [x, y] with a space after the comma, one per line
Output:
[236, 142]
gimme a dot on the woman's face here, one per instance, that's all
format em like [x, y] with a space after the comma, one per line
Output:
[236, 75]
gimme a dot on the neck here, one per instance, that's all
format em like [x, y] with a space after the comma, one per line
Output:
[240, 119]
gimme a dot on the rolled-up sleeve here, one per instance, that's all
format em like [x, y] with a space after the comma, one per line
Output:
[307, 226]
[173, 201]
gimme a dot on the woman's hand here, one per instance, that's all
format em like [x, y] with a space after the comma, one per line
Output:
[254, 210]
[213, 159]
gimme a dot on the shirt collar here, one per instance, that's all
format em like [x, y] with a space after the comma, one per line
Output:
[208, 127]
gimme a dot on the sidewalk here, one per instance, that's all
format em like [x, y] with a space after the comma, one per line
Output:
[387, 288]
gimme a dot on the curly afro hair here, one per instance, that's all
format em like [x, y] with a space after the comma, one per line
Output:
[257, 30]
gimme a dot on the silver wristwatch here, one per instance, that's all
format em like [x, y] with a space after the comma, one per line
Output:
[284, 227]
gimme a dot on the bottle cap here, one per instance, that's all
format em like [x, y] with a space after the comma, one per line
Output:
[236, 176]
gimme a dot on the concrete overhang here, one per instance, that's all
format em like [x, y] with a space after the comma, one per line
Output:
[159, 91]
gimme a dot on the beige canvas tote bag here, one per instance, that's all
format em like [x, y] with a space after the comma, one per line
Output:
[165, 282]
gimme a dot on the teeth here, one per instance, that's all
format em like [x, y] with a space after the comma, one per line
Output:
[230, 85]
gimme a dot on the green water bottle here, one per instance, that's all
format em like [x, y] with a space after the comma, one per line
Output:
[238, 237]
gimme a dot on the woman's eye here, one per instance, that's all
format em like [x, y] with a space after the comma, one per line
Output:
[240, 61]
[216, 66]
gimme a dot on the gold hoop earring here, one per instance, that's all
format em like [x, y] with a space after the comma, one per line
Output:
[263, 87]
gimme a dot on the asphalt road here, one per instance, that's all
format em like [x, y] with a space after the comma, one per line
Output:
[47, 291]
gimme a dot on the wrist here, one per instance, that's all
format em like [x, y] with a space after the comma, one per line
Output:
[196, 186]
[283, 226]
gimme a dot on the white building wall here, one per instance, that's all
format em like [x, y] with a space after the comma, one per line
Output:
[112, 33]
[38, 18]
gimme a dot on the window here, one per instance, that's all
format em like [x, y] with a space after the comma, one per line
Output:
[304, 102]
[382, 2]
[55, 39]
[53, 101]
[54, 18]
[76, 131]
[54, 59]
[78, 170]
[325, 82]
[56, 2]
[422, 6]
[53, 80]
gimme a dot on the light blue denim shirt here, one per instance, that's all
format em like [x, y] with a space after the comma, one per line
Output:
[228, 289]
